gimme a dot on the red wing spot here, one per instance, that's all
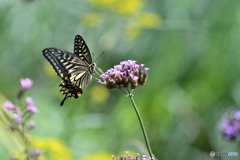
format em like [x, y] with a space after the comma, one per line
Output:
[79, 93]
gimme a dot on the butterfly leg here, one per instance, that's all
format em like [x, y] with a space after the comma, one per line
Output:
[63, 100]
[99, 69]
[97, 73]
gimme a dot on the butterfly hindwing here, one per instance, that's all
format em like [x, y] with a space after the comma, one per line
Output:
[69, 89]
[81, 50]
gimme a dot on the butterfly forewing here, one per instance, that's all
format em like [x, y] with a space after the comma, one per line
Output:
[54, 57]
[74, 69]
[81, 50]
[63, 62]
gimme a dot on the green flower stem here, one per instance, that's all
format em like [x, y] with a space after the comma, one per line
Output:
[142, 126]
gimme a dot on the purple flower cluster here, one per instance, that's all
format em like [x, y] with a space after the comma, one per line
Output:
[19, 119]
[18, 113]
[129, 157]
[123, 74]
[230, 126]
[34, 154]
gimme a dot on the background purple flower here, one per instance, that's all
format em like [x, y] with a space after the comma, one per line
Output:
[35, 153]
[17, 118]
[129, 157]
[31, 106]
[12, 158]
[237, 115]
[230, 125]
[8, 105]
[31, 124]
[32, 109]
[30, 101]
[26, 83]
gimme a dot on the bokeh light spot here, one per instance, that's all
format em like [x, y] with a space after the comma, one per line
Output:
[99, 93]
[49, 69]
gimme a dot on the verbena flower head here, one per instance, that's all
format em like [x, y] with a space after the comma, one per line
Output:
[123, 74]
[26, 83]
[230, 126]
[129, 157]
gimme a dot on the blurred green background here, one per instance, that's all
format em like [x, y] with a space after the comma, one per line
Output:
[192, 50]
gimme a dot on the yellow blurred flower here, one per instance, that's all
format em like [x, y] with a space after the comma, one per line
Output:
[141, 21]
[91, 19]
[99, 93]
[53, 149]
[122, 7]
[133, 30]
[19, 155]
[98, 156]
[149, 20]
[138, 19]
[102, 3]
[49, 69]
[126, 7]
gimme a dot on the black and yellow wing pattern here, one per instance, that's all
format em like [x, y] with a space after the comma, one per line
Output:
[73, 69]
[81, 50]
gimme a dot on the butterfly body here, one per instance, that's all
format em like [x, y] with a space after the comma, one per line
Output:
[74, 69]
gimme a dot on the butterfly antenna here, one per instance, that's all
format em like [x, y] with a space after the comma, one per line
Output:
[97, 78]
[99, 56]
[93, 55]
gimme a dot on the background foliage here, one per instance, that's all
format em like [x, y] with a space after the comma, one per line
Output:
[192, 50]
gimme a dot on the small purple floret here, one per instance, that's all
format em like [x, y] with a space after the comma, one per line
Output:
[8, 105]
[30, 101]
[146, 69]
[17, 118]
[31, 124]
[32, 109]
[26, 83]
[31, 106]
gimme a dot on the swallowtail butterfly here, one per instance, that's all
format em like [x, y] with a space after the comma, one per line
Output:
[74, 69]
